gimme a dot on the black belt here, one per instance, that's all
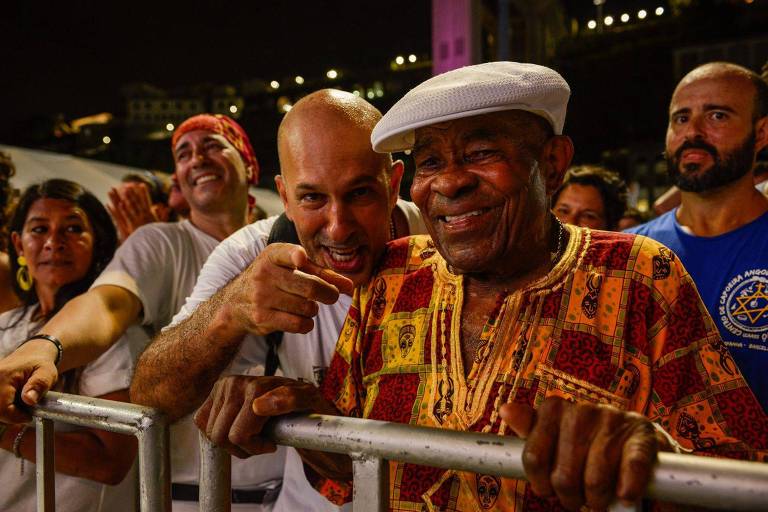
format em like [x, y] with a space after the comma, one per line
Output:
[191, 492]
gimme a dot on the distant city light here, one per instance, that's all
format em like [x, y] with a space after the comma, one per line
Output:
[608, 20]
[749, 1]
[287, 107]
[106, 139]
[399, 60]
[169, 127]
[370, 94]
[642, 14]
[659, 11]
[233, 109]
[591, 24]
[411, 58]
[356, 92]
[299, 79]
[624, 18]
[332, 74]
[274, 84]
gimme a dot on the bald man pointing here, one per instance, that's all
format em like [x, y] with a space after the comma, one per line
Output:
[342, 200]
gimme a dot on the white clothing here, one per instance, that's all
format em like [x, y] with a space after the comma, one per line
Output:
[110, 372]
[302, 356]
[159, 264]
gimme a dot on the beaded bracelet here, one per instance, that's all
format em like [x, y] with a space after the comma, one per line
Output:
[52, 339]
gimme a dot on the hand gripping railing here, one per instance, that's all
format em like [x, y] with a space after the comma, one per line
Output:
[714, 483]
[147, 424]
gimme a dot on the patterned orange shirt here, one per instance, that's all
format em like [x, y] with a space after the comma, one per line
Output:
[617, 321]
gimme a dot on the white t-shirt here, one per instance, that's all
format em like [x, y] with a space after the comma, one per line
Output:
[110, 372]
[302, 356]
[159, 264]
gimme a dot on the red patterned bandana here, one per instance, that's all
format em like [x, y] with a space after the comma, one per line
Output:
[227, 128]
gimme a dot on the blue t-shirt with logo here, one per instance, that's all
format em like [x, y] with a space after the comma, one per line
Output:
[731, 274]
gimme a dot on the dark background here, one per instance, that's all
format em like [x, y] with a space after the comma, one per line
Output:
[63, 60]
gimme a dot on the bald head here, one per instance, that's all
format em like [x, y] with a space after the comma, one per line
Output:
[727, 71]
[337, 191]
[328, 115]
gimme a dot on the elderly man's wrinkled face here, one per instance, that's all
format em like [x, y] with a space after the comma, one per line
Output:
[480, 189]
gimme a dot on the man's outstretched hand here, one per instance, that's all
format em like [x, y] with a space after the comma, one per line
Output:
[280, 291]
[584, 454]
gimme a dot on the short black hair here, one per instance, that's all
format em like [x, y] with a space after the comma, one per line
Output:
[157, 190]
[612, 188]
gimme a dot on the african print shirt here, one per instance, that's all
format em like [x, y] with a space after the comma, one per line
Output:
[617, 321]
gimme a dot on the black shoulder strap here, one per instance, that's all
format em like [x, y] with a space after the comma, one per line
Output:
[282, 230]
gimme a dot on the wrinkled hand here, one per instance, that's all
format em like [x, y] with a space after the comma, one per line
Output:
[584, 454]
[131, 207]
[238, 407]
[28, 371]
[280, 290]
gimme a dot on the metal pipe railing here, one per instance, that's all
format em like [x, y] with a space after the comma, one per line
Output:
[147, 424]
[687, 479]
[713, 483]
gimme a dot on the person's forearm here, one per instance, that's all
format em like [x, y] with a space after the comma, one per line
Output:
[89, 324]
[179, 368]
[97, 455]
[80, 453]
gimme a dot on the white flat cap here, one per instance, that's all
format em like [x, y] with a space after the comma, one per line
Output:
[471, 91]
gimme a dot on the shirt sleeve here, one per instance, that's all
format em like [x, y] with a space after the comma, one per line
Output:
[230, 258]
[141, 266]
[698, 394]
[110, 372]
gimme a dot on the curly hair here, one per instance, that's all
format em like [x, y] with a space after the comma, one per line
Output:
[7, 170]
[612, 188]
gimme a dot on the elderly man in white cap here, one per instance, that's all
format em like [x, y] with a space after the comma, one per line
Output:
[591, 345]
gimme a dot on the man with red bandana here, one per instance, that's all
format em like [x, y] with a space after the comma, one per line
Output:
[146, 283]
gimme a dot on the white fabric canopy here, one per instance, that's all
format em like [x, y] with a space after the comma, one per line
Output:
[34, 166]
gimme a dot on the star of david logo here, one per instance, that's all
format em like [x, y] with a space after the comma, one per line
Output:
[753, 305]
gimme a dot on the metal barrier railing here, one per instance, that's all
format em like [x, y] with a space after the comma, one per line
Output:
[147, 424]
[713, 483]
[687, 479]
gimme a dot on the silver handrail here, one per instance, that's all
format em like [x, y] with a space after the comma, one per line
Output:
[687, 479]
[147, 424]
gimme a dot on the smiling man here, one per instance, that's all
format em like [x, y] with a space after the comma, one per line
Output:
[507, 322]
[718, 123]
[342, 207]
[146, 283]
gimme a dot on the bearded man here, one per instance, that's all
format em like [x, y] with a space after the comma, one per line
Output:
[718, 123]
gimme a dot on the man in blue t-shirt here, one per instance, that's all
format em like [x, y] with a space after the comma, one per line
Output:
[718, 122]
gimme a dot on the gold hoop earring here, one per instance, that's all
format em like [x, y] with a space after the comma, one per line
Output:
[22, 275]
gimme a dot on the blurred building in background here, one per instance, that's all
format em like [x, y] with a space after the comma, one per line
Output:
[622, 59]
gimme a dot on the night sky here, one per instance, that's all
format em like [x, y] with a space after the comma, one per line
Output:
[72, 57]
